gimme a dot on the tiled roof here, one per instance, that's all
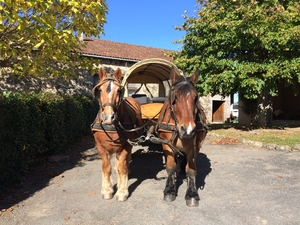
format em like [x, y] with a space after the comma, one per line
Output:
[104, 48]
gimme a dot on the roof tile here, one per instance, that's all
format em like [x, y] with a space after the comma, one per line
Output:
[120, 50]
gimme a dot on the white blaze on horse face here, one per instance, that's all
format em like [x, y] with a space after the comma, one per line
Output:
[110, 94]
[189, 129]
[187, 101]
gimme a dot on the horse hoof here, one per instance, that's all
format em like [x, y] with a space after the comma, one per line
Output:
[121, 199]
[107, 197]
[121, 196]
[192, 202]
[169, 198]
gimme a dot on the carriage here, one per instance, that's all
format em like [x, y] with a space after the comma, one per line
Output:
[152, 102]
[152, 75]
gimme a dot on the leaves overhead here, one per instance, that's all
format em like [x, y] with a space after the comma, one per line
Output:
[244, 46]
[40, 37]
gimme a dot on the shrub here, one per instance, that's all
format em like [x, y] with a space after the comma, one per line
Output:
[32, 125]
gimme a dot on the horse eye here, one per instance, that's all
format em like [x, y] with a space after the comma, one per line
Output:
[196, 100]
[121, 91]
[174, 100]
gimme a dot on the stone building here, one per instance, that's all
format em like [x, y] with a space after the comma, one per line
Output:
[112, 55]
[280, 110]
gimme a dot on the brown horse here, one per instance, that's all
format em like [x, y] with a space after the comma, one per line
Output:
[182, 126]
[116, 122]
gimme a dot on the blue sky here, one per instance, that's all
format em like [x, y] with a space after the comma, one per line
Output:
[147, 22]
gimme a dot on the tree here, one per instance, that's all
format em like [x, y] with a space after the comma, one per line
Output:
[41, 37]
[245, 46]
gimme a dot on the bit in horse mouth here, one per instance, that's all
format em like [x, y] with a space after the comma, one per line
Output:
[186, 136]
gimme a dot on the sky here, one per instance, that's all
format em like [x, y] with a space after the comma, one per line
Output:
[147, 22]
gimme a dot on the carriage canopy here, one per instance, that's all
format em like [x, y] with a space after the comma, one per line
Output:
[149, 71]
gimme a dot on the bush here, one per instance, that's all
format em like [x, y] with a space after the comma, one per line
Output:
[32, 125]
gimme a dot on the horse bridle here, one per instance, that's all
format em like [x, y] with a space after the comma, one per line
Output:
[173, 100]
[118, 126]
[120, 92]
[173, 128]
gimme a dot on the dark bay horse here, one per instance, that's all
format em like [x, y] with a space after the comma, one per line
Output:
[182, 125]
[116, 122]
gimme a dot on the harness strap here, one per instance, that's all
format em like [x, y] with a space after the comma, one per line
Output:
[200, 125]
[156, 140]
[109, 104]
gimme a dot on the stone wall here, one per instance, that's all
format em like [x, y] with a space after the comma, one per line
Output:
[85, 82]
[207, 106]
[80, 85]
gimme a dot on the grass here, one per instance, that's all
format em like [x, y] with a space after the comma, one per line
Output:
[287, 136]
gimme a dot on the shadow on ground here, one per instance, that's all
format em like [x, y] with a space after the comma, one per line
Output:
[39, 176]
[203, 169]
[147, 163]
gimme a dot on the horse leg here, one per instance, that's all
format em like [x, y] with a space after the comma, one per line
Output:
[181, 162]
[191, 196]
[116, 165]
[170, 188]
[107, 189]
[128, 161]
[122, 159]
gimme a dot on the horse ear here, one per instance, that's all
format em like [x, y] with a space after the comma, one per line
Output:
[118, 74]
[101, 73]
[195, 77]
[173, 75]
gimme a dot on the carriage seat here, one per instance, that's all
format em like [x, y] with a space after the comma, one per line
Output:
[142, 98]
[158, 100]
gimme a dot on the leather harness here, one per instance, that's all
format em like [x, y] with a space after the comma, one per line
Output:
[160, 126]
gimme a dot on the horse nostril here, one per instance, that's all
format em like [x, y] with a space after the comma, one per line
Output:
[108, 118]
[113, 117]
[103, 116]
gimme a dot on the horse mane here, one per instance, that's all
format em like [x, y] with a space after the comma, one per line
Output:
[183, 84]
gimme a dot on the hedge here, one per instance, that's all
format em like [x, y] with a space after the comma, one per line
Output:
[32, 125]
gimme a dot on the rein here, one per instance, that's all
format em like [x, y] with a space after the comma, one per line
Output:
[200, 125]
[110, 127]
[118, 126]
[160, 125]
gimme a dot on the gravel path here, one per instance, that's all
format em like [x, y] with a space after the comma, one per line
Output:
[242, 185]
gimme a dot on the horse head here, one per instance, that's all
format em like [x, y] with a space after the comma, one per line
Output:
[110, 94]
[184, 101]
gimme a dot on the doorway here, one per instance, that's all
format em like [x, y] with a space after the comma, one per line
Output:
[218, 111]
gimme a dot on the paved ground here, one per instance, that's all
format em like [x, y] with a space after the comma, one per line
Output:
[242, 185]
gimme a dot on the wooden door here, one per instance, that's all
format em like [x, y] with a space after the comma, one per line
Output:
[218, 111]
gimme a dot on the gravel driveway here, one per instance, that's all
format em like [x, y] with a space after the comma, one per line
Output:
[241, 185]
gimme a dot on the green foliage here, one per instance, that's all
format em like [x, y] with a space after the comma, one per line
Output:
[250, 106]
[245, 46]
[32, 125]
[39, 37]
